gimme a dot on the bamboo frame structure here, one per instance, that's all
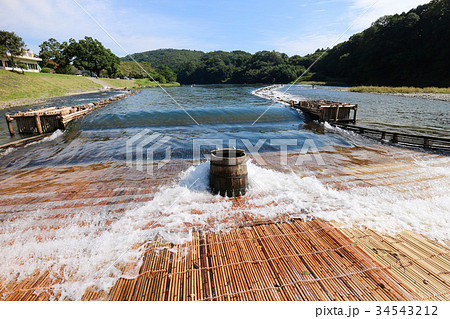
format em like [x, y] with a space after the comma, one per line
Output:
[327, 111]
[48, 120]
[423, 141]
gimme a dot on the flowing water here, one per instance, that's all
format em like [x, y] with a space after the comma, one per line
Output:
[87, 240]
[223, 113]
[389, 112]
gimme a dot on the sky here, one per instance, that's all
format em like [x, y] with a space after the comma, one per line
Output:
[289, 26]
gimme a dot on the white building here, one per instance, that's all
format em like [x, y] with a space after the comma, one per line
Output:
[28, 58]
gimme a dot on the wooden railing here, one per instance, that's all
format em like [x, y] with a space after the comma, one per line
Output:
[423, 141]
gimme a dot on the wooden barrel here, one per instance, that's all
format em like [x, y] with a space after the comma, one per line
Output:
[228, 172]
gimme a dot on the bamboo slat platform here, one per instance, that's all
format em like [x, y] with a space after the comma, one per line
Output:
[255, 258]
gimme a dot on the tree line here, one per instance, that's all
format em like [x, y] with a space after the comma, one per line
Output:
[90, 54]
[86, 56]
[236, 67]
[409, 49]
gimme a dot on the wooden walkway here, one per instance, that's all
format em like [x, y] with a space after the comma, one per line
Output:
[414, 140]
[257, 258]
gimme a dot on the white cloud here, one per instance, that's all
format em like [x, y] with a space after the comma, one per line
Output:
[378, 9]
[357, 18]
[307, 43]
[37, 21]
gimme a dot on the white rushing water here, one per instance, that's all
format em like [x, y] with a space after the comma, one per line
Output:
[90, 248]
[89, 245]
[278, 93]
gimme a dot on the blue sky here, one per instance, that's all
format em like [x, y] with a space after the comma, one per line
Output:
[293, 27]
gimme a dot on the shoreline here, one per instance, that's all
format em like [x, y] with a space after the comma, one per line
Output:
[36, 101]
[268, 92]
[4, 105]
[427, 96]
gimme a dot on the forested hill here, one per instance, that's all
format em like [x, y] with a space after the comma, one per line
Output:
[409, 49]
[166, 57]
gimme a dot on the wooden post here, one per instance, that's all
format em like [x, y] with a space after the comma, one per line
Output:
[426, 142]
[336, 117]
[37, 120]
[354, 113]
[9, 123]
[61, 122]
[395, 138]
[383, 135]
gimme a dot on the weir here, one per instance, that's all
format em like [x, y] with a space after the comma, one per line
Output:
[252, 255]
[428, 142]
[48, 120]
[327, 111]
[342, 114]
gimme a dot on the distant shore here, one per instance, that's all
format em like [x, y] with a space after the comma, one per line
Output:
[385, 91]
[427, 96]
[271, 93]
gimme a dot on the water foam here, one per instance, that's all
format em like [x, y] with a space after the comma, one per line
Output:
[85, 249]
[274, 93]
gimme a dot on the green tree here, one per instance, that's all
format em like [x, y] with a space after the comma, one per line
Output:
[52, 55]
[11, 45]
[90, 54]
[168, 74]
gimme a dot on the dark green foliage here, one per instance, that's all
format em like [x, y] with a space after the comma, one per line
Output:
[90, 54]
[410, 49]
[46, 70]
[225, 67]
[87, 54]
[11, 43]
[166, 57]
[168, 74]
[145, 70]
[53, 56]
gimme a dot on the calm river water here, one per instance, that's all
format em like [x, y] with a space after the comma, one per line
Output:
[224, 113]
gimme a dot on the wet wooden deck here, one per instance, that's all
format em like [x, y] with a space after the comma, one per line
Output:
[256, 259]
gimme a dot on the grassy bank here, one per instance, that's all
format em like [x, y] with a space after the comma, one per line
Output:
[14, 86]
[403, 89]
[22, 89]
[322, 83]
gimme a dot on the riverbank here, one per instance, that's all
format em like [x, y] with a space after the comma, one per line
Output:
[38, 88]
[271, 92]
[431, 93]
